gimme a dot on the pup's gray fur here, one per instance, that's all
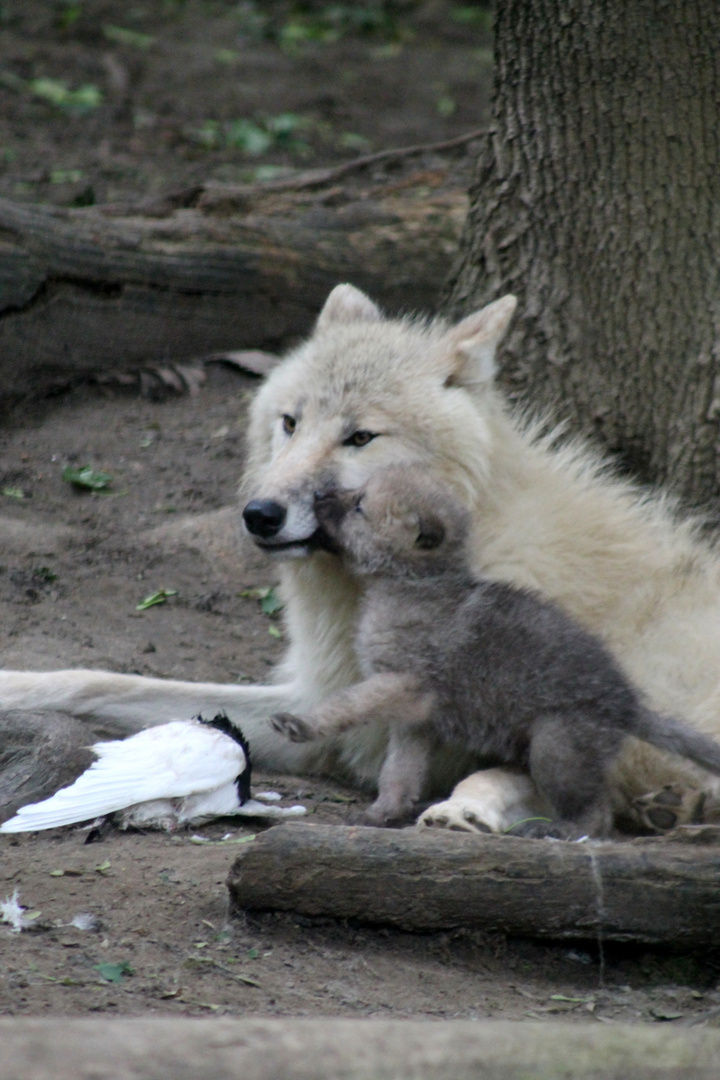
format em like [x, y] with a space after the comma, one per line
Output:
[494, 668]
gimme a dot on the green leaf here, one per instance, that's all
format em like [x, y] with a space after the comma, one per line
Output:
[351, 141]
[69, 16]
[44, 573]
[158, 597]
[274, 631]
[247, 981]
[85, 476]
[133, 38]
[13, 492]
[481, 17]
[271, 604]
[445, 105]
[226, 56]
[114, 972]
[83, 100]
[247, 136]
[66, 176]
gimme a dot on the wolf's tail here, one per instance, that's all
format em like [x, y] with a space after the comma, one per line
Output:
[669, 734]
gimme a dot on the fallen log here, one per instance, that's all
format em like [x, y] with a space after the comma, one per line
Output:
[334, 1049]
[646, 891]
[106, 290]
[39, 753]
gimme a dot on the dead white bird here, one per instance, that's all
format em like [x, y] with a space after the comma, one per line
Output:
[182, 772]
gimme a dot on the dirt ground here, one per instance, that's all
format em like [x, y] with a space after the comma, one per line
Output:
[75, 564]
[108, 102]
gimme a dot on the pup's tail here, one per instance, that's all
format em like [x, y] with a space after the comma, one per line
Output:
[678, 738]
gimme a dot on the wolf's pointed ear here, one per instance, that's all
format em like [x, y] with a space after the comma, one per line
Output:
[347, 304]
[473, 342]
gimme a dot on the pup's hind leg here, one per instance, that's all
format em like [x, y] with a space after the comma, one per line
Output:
[569, 761]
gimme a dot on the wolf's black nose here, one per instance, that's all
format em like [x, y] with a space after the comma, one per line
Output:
[264, 518]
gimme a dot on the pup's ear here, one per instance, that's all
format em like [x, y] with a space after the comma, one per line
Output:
[347, 304]
[473, 342]
[431, 532]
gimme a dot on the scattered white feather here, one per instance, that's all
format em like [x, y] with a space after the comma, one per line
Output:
[14, 913]
[268, 796]
[85, 921]
[257, 809]
[174, 774]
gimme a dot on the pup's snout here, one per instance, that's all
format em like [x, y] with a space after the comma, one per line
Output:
[264, 518]
[329, 507]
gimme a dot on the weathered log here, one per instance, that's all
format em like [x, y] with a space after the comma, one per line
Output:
[333, 1049]
[39, 753]
[650, 890]
[95, 290]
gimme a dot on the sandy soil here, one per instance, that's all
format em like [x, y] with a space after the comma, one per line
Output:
[74, 565]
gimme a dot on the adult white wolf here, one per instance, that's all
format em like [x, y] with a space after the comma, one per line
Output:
[364, 392]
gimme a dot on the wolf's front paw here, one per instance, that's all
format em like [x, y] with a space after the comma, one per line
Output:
[295, 728]
[487, 801]
[661, 811]
[454, 814]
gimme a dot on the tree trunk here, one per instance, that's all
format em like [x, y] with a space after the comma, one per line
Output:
[598, 203]
[648, 891]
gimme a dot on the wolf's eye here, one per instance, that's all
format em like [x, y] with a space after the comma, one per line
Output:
[289, 424]
[360, 438]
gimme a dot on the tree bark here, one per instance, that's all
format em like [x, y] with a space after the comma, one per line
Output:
[648, 891]
[597, 202]
[106, 290]
[253, 1048]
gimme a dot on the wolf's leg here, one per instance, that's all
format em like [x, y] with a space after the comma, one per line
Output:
[488, 801]
[673, 805]
[126, 703]
[401, 777]
[382, 696]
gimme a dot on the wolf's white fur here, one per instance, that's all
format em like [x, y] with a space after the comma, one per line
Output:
[547, 515]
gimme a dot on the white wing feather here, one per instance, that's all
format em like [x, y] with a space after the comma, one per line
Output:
[183, 757]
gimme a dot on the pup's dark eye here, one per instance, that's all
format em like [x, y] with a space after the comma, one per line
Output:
[360, 438]
[289, 424]
[358, 508]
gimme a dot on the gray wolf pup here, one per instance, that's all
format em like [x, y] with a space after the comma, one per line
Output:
[364, 392]
[449, 658]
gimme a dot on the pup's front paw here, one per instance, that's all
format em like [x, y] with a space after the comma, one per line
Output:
[380, 816]
[295, 728]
